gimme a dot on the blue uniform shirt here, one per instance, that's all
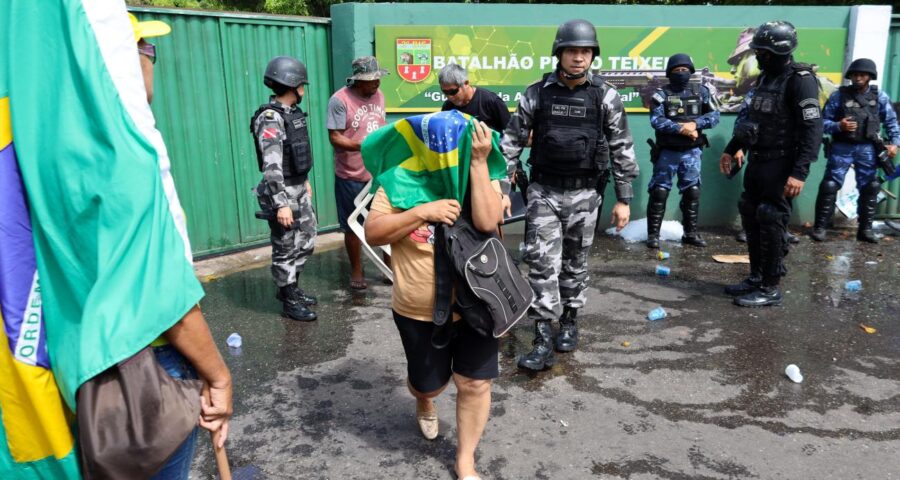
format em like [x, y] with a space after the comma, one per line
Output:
[660, 123]
[834, 112]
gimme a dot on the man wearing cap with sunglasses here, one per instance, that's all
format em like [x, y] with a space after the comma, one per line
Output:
[147, 50]
[354, 112]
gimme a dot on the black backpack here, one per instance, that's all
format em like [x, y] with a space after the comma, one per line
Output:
[491, 293]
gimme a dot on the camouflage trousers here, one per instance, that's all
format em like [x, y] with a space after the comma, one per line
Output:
[559, 231]
[291, 247]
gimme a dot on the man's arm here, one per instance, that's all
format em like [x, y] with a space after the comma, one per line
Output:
[710, 117]
[804, 107]
[336, 123]
[515, 137]
[270, 136]
[735, 144]
[502, 113]
[621, 145]
[338, 140]
[191, 337]
[888, 118]
[831, 124]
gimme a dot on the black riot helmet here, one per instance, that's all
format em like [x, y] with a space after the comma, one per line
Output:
[778, 37]
[576, 33]
[286, 71]
[863, 65]
[680, 60]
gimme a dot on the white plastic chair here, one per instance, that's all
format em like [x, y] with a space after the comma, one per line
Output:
[362, 201]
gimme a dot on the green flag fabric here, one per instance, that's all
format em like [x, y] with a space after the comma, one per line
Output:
[111, 246]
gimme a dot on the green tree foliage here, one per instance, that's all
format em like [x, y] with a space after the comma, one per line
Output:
[322, 8]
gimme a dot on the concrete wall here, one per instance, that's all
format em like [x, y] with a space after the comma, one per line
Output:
[353, 30]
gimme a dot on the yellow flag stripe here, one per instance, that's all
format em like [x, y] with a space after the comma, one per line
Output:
[424, 158]
[5, 123]
[34, 419]
[646, 42]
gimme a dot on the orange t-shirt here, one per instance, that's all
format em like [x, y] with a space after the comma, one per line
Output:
[412, 260]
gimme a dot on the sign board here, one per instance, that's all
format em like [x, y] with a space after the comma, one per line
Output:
[506, 59]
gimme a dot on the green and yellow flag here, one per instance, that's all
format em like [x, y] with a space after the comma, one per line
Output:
[94, 257]
[426, 157]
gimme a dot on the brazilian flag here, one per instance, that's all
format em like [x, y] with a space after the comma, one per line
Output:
[424, 158]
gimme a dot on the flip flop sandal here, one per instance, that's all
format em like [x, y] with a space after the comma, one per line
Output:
[358, 284]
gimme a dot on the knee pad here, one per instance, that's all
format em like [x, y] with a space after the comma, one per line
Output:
[829, 186]
[691, 193]
[767, 214]
[659, 194]
[746, 207]
[871, 188]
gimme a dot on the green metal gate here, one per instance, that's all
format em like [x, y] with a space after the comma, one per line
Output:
[208, 83]
[891, 84]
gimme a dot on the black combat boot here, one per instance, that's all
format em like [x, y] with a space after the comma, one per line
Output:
[567, 338]
[741, 236]
[764, 296]
[747, 285]
[690, 211]
[294, 293]
[292, 308]
[824, 208]
[868, 203]
[656, 210]
[541, 356]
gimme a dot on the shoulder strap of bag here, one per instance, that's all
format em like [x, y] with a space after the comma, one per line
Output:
[443, 289]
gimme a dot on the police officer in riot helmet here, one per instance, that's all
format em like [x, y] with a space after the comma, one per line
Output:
[679, 112]
[779, 127]
[578, 124]
[854, 116]
[283, 155]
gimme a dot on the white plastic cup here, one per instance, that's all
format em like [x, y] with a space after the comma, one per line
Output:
[234, 340]
[793, 372]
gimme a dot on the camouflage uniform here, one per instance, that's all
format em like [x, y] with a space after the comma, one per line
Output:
[290, 247]
[560, 221]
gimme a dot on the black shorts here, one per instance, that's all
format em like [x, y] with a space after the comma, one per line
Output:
[469, 354]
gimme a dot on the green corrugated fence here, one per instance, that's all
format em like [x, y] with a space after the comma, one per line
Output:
[208, 83]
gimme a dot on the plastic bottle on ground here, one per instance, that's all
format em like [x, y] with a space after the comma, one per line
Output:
[853, 286]
[234, 340]
[657, 313]
[663, 271]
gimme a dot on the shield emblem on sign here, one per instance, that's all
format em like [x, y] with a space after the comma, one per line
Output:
[413, 58]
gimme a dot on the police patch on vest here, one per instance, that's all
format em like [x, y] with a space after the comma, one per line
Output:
[299, 122]
[560, 110]
[810, 113]
[579, 112]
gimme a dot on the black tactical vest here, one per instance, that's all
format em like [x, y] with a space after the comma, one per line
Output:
[568, 130]
[682, 107]
[296, 155]
[863, 107]
[769, 110]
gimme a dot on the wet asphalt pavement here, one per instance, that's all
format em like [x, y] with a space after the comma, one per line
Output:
[700, 394]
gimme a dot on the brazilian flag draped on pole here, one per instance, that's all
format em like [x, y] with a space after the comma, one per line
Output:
[424, 158]
[108, 237]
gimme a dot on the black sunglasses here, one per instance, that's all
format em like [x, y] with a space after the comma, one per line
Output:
[450, 92]
[148, 50]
